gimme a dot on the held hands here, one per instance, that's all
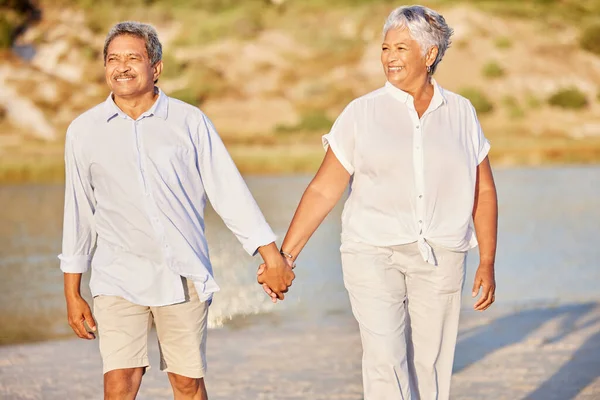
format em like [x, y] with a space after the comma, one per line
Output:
[276, 279]
[484, 278]
[78, 312]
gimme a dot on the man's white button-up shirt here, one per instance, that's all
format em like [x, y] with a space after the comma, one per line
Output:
[135, 197]
[413, 179]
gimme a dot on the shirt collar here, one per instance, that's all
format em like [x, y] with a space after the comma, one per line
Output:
[159, 108]
[438, 98]
[438, 93]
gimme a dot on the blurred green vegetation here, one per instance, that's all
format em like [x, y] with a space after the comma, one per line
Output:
[482, 104]
[15, 16]
[570, 98]
[513, 107]
[6, 32]
[212, 19]
[493, 70]
[32, 170]
[320, 26]
[311, 121]
[503, 42]
[202, 82]
[532, 101]
[590, 38]
[571, 11]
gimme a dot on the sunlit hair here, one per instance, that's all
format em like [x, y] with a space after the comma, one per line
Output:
[426, 27]
[140, 30]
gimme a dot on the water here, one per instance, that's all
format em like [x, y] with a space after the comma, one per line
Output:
[548, 253]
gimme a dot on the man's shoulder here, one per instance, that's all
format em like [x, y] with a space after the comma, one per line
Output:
[181, 108]
[89, 118]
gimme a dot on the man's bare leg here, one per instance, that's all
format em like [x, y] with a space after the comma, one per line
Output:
[185, 388]
[122, 384]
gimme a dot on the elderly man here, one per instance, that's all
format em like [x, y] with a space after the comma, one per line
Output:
[139, 169]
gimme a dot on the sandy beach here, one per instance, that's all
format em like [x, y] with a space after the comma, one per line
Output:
[550, 353]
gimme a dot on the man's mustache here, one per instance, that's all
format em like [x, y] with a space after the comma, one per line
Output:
[123, 76]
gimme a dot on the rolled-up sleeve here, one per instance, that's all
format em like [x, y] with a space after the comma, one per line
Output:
[228, 192]
[341, 138]
[480, 142]
[79, 234]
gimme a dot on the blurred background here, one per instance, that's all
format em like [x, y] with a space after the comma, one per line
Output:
[273, 75]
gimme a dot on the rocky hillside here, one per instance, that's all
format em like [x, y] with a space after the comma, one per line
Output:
[273, 75]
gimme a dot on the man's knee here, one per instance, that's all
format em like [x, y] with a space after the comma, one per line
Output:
[122, 383]
[185, 385]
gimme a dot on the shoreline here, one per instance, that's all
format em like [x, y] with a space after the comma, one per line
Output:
[548, 353]
[291, 159]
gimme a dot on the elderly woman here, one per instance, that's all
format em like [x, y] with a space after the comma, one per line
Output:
[416, 160]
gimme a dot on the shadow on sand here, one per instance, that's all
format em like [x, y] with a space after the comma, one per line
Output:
[580, 371]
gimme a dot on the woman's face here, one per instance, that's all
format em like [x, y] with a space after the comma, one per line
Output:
[402, 60]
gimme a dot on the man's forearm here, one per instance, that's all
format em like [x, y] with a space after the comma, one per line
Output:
[72, 285]
[269, 253]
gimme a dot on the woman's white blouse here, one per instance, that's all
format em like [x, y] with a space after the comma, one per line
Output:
[413, 179]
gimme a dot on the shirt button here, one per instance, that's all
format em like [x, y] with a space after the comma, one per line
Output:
[420, 221]
[420, 196]
[418, 126]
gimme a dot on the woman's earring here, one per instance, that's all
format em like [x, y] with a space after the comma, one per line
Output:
[429, 69]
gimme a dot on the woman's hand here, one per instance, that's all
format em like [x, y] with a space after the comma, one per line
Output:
[266, 288]
[484, 278]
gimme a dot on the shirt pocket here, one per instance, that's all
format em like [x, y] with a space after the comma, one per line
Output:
[173, 163]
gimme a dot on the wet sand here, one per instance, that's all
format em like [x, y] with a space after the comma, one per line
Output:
[550, 353]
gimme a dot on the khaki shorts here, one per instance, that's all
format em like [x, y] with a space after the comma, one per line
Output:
[181, 329]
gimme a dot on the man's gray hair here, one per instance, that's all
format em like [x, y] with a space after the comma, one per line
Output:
[140, 30]
[426, 27]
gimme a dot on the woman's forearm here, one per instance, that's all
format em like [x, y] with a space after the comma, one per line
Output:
[322, 194]
[486, 226]
[485, 214]
[312, 210]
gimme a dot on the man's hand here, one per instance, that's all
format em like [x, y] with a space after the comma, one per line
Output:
[266, 287]
[484, 278]
[276, 278]
[78, 312]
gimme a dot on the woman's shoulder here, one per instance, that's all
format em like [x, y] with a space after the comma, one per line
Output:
[367, 98]
[371, 95]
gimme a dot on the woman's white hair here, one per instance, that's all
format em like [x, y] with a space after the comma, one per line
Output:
[426, 27]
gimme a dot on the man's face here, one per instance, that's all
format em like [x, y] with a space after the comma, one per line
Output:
[128, 70]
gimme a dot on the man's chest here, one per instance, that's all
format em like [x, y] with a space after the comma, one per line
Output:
[128, 153]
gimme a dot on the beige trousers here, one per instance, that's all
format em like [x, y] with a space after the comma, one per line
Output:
[408, 312]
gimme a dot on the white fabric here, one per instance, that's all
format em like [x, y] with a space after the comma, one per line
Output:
[413, 179]
[408, 312]
[138, 189]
